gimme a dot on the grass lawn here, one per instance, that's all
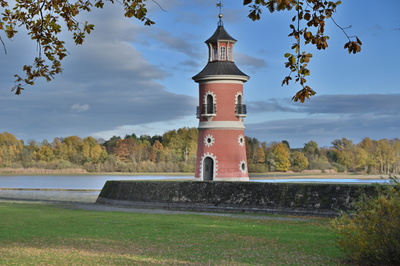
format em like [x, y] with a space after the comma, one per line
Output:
[37, 233]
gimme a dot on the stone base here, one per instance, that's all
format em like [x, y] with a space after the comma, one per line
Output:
[253, 197]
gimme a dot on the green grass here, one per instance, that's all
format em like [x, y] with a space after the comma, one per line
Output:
[32, 234]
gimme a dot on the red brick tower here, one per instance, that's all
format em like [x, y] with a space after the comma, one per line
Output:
[221, 153]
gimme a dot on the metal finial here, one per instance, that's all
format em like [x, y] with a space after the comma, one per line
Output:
[220, 13]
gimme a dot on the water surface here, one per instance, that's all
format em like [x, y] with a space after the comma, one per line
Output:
[73, 181]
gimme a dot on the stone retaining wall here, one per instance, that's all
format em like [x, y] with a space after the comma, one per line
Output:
[253, 197]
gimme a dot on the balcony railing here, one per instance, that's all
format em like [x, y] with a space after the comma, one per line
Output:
[241, 109]
[207, 110]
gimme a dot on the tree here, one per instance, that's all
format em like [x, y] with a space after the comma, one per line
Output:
[311, 150]
[46, 153]
[182, 144]
[111, 144]
[125, 150]
[44, 19]
[299, 160]
[313, 14]
[156, 152]
[92, 151]
[282, 157]
[10, 148]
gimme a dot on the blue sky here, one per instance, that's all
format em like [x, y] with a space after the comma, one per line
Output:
[129, 78]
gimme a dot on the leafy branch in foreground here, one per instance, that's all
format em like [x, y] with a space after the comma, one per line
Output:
[313, 14]
[43, 21]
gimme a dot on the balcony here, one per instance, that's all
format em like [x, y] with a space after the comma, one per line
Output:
[207, 110]
[241, 110]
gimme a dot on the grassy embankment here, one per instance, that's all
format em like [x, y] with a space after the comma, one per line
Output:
[52, 234]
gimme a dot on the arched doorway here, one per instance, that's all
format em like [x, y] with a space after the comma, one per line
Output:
[208, 168]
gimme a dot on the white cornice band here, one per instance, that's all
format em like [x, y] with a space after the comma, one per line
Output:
[236, 125]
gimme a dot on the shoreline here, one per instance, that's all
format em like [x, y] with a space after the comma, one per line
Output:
[252, 176]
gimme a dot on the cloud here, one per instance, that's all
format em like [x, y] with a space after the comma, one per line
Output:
[272, 105]
[247, 61]
[325, 130]
[170, 42]
[379, 104]
[78, 108]
[106, 84]
[328, 117]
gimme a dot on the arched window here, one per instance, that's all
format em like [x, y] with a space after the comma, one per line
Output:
[215, 53]
[210, 104]
[222, 55]
[229, 54]
[239, 99]
[240, 107]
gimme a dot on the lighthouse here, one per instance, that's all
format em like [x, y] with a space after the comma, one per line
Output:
[221, 152]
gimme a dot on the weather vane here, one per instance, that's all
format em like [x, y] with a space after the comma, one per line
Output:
[220, 13]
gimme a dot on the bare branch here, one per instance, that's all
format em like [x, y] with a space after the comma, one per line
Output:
[4, 45]
[154, 1]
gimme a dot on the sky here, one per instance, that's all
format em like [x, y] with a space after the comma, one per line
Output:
[130, 78]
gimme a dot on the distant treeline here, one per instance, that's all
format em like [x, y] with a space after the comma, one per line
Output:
[175, 151]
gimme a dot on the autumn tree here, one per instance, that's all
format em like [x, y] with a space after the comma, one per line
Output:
[72, 147]
[111, 144]
[282, 157]
[10, 148]
[29, 154]
[299, 160]
[252, 150]
[46, 153]
[125, 150]
[182, 144]
[369, 146]
[92, 151]
[156, 152]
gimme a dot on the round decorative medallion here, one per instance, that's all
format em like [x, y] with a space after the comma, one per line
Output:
[209, 140]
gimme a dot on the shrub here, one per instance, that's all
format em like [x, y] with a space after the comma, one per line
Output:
[257, 168]
[319, 164]
[371, 234]
[339, 167]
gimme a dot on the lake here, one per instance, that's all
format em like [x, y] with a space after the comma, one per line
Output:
[97, 181]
